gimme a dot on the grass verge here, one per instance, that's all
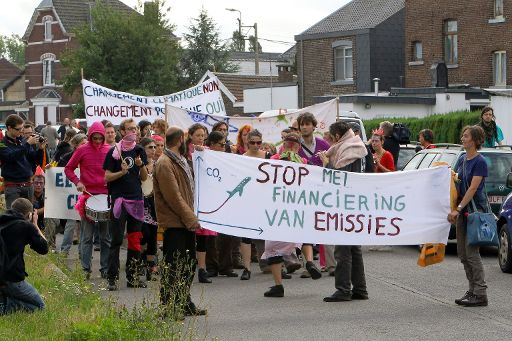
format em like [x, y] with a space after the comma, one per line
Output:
[75, 312]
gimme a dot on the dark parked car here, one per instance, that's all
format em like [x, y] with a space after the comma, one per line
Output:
[505, 231]
[499, 162]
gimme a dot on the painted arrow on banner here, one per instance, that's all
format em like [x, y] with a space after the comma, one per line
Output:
[259, 229]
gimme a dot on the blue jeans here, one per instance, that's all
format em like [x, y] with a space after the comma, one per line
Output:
[14, 192]
[86, 234]
[69, 231]
[19, 296]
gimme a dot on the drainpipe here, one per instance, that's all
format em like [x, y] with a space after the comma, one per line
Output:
[302, 72]
[376, 86]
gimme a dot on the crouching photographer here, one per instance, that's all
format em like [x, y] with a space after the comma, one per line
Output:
[18, 228]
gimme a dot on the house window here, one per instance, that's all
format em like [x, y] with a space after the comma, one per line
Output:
[417, 51]
[343, 69]
[498, 8]
[450, 42]
[499, 65]
[47, 21]
[48, 61]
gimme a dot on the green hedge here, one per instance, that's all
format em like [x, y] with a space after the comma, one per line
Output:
[446, 127]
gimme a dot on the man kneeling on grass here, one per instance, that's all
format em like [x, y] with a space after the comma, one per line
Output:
[18, 228]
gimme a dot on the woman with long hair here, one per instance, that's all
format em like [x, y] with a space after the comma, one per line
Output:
[383, 160]
[150, 225]
[493, 133]
[241, 140]
[254, 142]
[197, 134]
[471, 173]
[160, 127]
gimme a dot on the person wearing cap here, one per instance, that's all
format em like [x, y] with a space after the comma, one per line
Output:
[276, 251]
[346, 154]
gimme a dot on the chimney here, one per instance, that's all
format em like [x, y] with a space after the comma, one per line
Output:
[284, 73]
[376, 86]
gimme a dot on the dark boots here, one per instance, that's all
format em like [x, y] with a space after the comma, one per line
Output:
[202, 276]
[275, 291]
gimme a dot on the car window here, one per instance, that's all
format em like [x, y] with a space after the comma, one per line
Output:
[498, 166]
[404, 155]
[413, 164]
[449, 158]
[425, 163]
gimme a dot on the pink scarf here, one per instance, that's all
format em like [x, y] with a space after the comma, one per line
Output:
[126, 144]
[348, 149]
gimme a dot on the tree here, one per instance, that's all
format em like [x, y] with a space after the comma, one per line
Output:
[204, 51]
[13, 49]
[125, 51]
[252, 44]
[237, 42]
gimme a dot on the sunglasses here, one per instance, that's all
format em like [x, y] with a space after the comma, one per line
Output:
[97, 138]
[151, 147]
[255, 142]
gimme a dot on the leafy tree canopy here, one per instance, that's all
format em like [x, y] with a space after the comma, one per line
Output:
[13, 49]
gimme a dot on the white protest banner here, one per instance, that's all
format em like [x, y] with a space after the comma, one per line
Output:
[285, 201]
[270, 127]
[60, 195]
[104, 103]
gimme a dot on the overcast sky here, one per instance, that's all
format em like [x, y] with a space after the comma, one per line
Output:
[277, 20]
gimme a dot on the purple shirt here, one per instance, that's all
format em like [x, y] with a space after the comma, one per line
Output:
[320, 146]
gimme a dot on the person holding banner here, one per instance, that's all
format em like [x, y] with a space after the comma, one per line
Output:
[173, 185]
[241, 140]
[346, 154]
[223, 128]
[89, 158]
[196, 136]
[124, 170]
[254, 141]
[472, 171]
[275, 250]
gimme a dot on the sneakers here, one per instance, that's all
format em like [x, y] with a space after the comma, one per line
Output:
[292, 267]
[246, 275]
[285, 275]
[275, 291]
[474, 301]
[358, 296]
[313, 270]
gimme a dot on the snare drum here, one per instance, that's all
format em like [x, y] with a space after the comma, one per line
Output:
[147, 186]
[96, 208]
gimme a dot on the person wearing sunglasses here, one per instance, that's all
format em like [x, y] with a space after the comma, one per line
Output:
[19, 158]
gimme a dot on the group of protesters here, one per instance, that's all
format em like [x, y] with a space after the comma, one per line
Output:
[120, 163]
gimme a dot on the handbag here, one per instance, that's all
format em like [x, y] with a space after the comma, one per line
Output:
[431, 254]
[481, 227]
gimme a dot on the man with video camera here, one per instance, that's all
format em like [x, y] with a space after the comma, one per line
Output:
[18, 158]
[18, 228]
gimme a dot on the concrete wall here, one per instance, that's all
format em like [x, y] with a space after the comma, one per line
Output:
[455, 102]
[259, 99]
[247, 67]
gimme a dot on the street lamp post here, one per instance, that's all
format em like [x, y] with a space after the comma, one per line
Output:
[256, 48]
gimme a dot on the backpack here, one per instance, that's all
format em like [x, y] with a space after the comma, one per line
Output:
[5, 263]
[401, 133]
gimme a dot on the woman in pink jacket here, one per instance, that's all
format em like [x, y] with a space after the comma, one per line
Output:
[90, 158]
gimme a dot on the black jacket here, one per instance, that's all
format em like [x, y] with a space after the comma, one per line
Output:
[16, 237]
[393, 146]
[18, 159]
[62, 149]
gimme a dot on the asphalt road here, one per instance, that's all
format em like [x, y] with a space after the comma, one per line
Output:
[406, 302]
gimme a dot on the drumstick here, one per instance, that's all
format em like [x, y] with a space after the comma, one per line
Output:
[91, 196]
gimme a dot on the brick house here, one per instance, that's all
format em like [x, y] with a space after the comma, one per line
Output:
[48, 34]
[342, 53]
[473, 38]
[12, 89]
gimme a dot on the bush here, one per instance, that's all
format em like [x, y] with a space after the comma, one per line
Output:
[446, 127]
